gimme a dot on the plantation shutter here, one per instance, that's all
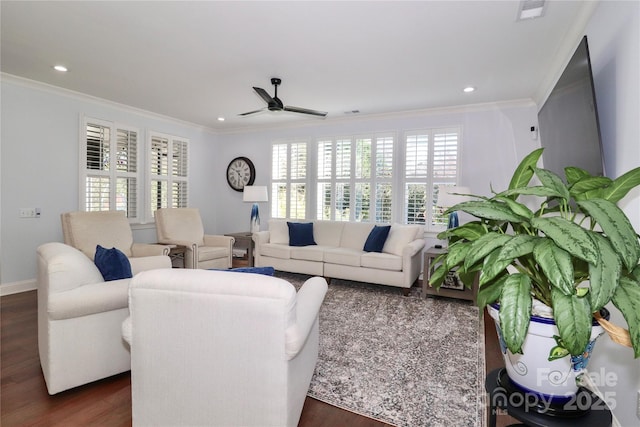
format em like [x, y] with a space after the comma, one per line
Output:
[169, 174]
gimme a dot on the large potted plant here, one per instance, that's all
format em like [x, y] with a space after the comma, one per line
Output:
[559, 264]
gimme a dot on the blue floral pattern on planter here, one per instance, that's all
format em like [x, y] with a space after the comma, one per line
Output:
[578, 363]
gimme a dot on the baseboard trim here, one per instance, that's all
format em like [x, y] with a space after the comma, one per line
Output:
[17, 287]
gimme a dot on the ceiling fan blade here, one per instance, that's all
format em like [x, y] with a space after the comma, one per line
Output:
[305, 111]
[252, 112]
[264, 95]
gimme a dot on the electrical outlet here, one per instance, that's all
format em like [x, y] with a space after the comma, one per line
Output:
[29, 213]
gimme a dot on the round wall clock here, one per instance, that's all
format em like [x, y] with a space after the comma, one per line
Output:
[240, 172]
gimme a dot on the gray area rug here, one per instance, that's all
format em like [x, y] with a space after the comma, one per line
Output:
[405, 361]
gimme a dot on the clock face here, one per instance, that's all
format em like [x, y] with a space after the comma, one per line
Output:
[240, 172]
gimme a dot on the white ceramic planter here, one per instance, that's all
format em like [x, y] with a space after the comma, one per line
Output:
[532, 371]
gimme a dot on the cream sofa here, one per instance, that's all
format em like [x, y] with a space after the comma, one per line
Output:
[339, 252]
[80, 317]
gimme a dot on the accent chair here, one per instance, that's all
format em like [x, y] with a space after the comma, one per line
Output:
[221, 348]
[86, 230]
[183, 226]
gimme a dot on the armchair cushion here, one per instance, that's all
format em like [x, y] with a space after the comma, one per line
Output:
[112, 263]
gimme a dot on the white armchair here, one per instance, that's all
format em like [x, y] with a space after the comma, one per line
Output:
[183, 226]
[110, 229]
[79, 318]
[221, 348]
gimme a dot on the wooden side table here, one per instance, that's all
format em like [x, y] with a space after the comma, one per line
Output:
[176, 253]
[454, 288]
[245, 238]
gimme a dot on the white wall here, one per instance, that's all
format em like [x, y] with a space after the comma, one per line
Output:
[39, 155]
[40, 145]
[614, 43]
[495, 138]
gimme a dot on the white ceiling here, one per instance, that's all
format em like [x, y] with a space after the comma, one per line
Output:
[196, 61]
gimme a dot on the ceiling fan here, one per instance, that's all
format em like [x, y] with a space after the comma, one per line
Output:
[275, 104]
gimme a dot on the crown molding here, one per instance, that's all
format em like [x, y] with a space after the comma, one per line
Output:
[79, 96]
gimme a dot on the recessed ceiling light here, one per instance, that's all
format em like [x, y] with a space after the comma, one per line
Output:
[61, 68]
[530, 9]
[469, 89]
[221, 119]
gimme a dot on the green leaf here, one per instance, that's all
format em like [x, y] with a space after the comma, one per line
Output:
[515, 310]
[556, 265]
[490, 293]
[516, 208]
[604, 275]
[489, 209]
[589, 184]
[617, 228]
[627, 299]
[438, 274]
[524, 172]
[470, 231]
[493, 266]
[457, 252]
[553, 181]
[622, 185]
[569, 236]
[539, 191]
[573, 319]
[575, 174]
[483, 247]
[557, 352]
[519, 245]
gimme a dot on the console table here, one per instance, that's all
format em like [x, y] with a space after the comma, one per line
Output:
[463, 293]
[245, 238]
[528, 408]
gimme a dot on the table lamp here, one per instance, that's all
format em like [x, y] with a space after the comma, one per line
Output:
[447, 199]
[254, 194]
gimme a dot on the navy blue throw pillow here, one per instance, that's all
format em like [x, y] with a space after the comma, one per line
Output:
[301, 233]
[267, 271]
[112, 263]
[376, 239]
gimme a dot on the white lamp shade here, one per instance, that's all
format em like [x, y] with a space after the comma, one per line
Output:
[255, 193]
[447, 198]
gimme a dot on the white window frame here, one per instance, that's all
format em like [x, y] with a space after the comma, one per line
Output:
[112, 174]
[282, 175]
[170, 178]
[436, 174]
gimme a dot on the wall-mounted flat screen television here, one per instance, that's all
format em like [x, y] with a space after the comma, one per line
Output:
[568, 121]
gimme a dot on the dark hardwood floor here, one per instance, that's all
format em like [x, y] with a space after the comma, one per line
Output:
[24, 400]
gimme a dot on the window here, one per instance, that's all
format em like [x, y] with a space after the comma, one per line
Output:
[354, 179]
[431, 161]
[109, 173]
[368, 178]
[289, 180]
[168, 168]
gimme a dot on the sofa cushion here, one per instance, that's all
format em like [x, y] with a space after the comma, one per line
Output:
[308, 253]
[377, 238]
[278, 231]
[354, 234]
[381, 261]
[112, 263]
[328, 233]
[343, 256]
[205, 253]
[300, 233]
[276, 250]
[399, 237]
